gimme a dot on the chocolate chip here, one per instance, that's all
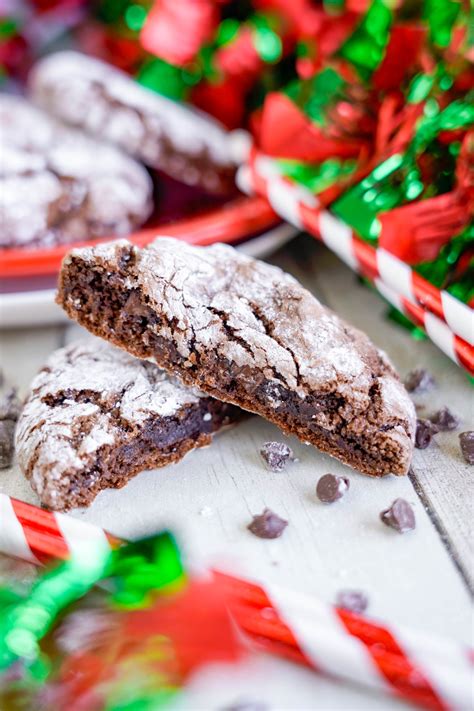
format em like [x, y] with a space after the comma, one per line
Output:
[425, 429]
[466, 440]
[331, 488]
[399, 516]
[419, 380]
[353, 600]
[276, 455]
[267, 525]
[10, 405]
[7, 432]
[445, 420]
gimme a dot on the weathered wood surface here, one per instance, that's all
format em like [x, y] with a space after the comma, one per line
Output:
[209, 498]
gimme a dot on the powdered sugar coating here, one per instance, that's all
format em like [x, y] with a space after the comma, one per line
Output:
[77, 403]
[258, 319]
[107, 103]
[59, 186]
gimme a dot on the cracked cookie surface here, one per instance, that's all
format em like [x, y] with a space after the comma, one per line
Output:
[96, 416]
[107, 103]
[247, 333]
[58, 186]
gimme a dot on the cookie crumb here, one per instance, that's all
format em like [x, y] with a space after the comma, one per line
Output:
[466, 441]
[399, 516]
[267, 525]
[276, 455]
[445, 420]
[425, 429]
[331, 488]
[419, 380]
[352, 600]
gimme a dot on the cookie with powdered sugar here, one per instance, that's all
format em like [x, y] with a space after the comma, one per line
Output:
[247, 333]
[96, 416]
[59, 186]
[185, 143]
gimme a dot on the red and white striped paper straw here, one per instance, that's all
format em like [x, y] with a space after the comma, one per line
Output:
[437, 331]
[433, 673]
[300, 207]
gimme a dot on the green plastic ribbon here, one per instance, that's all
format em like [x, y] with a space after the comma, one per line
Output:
[317, 177]
[397, 179]
[441, 16]
[365, 48]
[316, 95]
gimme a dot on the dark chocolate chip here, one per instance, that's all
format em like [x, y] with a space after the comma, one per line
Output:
[399, 516]
[466, 440]
[425, 429]
[7, 433]
[353, 600]
[10, 405]
[419, 380]
[331, 488]
[276, 455]
[267, 525]
[445, 420]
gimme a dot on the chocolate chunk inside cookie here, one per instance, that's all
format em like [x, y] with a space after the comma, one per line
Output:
[247, 333]
[96, 416]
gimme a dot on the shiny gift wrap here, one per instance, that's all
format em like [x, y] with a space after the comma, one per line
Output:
[109, 629]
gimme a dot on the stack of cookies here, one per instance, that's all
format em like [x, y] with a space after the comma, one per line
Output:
[192, 337]
[78, 153]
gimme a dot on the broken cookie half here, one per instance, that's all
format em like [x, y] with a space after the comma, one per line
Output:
[96, 416]
[246, 333]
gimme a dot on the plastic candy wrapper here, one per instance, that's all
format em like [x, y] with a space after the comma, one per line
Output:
[109, 629]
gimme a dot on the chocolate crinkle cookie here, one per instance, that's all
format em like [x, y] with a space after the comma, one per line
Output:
[107, 103]
[245, 332]
[58, 186]
[105, 416]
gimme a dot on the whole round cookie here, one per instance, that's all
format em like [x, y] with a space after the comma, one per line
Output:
[59, 186]
[183, 142]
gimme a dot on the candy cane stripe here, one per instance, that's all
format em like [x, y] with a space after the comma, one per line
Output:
[338, 237]
[388, 272]
[394, 273]
[398, 275]
[12, 536]
[461, 321]
[452, 683]
[81, 536]
[339, 648]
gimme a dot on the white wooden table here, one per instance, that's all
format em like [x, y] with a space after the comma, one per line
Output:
[420, 579]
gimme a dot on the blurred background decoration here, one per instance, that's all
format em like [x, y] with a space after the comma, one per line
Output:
[364, 106]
